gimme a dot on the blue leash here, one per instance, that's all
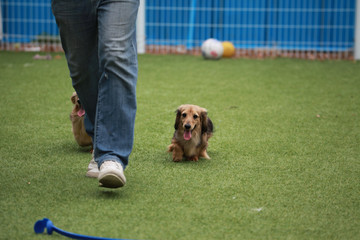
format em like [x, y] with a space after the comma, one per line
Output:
[40, 226]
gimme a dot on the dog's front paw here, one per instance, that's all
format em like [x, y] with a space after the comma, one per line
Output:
[194, 158]
[177, 160]
[177, 155]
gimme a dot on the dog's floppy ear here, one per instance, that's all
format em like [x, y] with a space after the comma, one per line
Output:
[206, 123]
[73, 97]
[177, 120]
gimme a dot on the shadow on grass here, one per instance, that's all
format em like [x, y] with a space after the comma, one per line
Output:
[202, 162]
[66, 147]
[109, 194]
[74, 148]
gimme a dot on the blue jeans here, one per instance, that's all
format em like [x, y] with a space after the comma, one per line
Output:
[99, 40]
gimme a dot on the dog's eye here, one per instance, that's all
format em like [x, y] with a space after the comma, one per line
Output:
[184, 114]
[195, 116]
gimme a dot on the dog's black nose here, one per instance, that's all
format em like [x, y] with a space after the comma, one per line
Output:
[187, 126]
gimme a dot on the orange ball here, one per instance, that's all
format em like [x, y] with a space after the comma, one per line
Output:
[229, 49]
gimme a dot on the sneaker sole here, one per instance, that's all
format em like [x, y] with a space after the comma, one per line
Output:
[111, 181]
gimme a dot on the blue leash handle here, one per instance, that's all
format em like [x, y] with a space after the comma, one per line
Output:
[40, 226]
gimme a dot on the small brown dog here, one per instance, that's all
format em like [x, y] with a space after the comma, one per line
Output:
[77, 120]
[193, 128]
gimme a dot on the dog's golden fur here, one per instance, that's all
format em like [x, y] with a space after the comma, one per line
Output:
[193, 128]
[77, 120]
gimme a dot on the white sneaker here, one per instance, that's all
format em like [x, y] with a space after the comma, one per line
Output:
[111, 175]
[93, 169]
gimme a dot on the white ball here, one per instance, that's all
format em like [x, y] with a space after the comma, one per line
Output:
[212, 49]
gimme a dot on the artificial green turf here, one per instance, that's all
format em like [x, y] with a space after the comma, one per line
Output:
[285, 153]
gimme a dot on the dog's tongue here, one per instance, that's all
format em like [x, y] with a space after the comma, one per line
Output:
[81, 112]
[187, 135]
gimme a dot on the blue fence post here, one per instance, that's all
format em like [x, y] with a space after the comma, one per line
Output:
[190, 38]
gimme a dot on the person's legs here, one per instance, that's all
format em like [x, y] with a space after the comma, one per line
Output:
[77, 22]
[116, 106]
[99, 41]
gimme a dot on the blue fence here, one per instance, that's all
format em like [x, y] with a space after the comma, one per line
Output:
[323, 25]
[317, 25]
[25, 21]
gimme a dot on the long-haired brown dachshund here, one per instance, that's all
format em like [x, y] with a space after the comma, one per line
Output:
[193, 128]
[77, 120]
